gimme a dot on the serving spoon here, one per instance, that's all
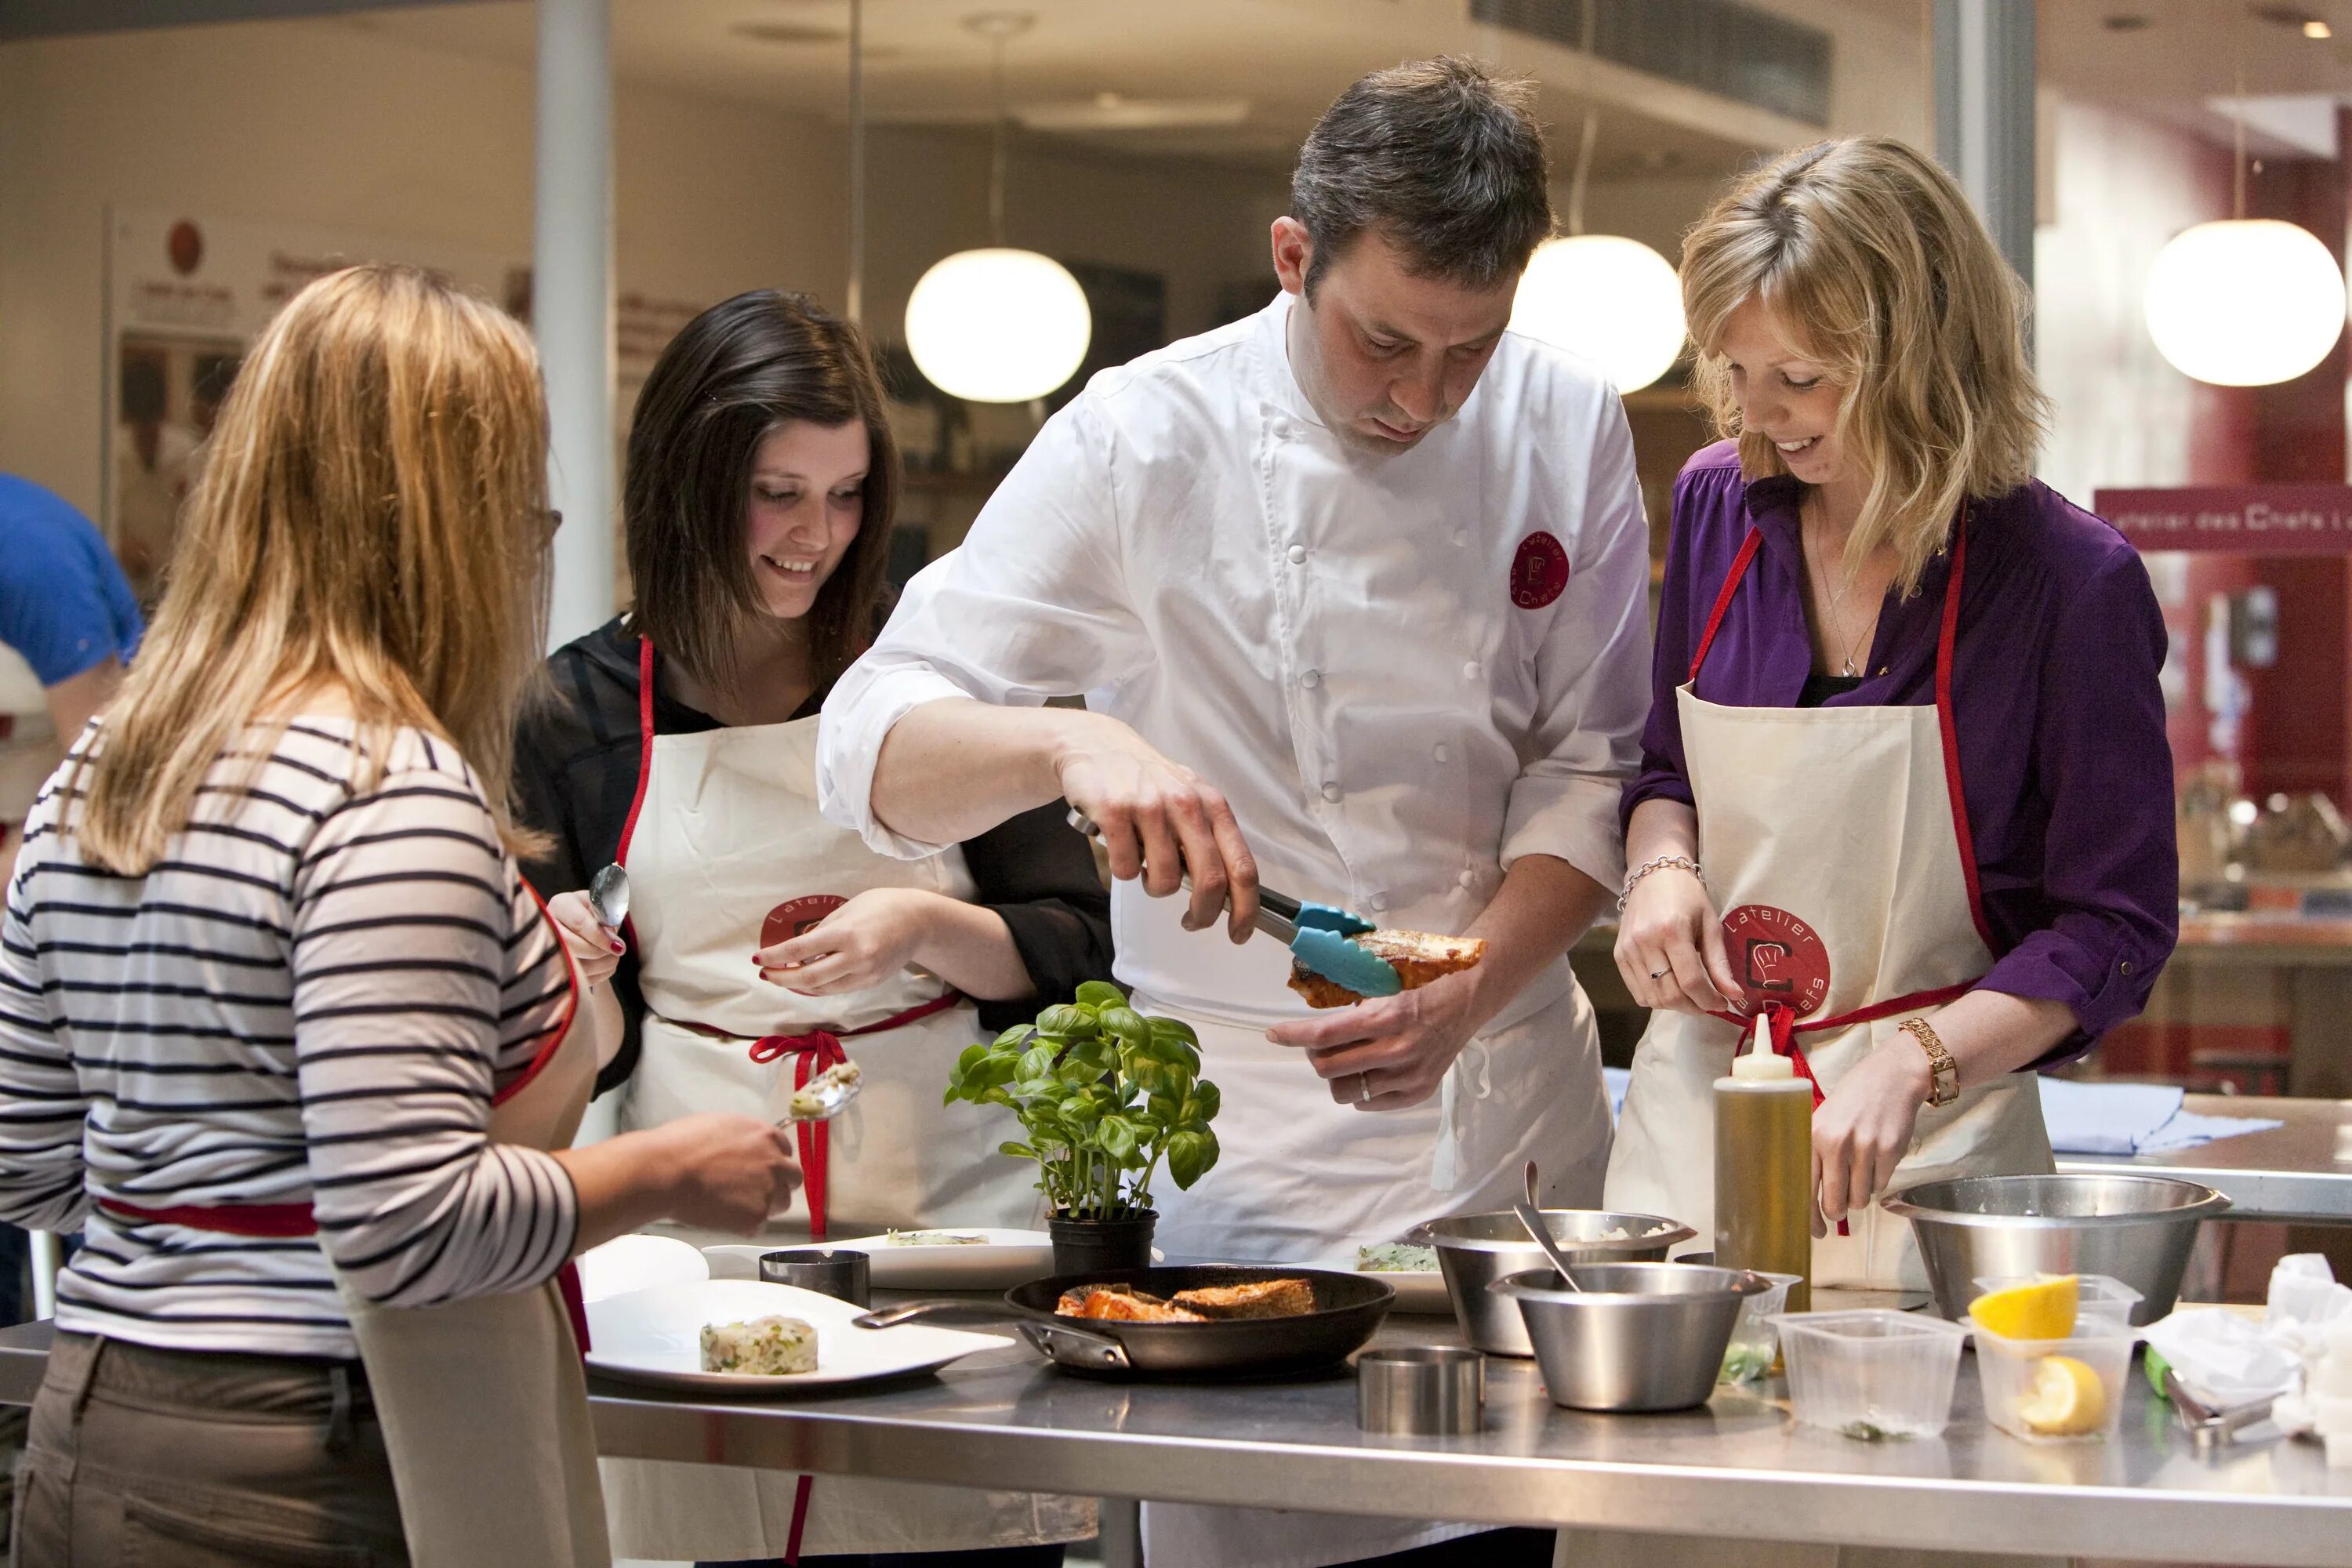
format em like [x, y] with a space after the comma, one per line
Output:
[608, 895]
[1532, 1217]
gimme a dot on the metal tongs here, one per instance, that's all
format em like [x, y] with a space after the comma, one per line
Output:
[1319, 936]
[2207, 1425]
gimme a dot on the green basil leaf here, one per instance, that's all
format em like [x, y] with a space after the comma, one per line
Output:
[1101, 993]
[1127, 1025]
[1188, 1153]
[1173, 1028]
[1205, 1101]
[1037, 1062]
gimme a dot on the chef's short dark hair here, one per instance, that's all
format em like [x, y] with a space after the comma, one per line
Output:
[1446, 162]
[733, 374]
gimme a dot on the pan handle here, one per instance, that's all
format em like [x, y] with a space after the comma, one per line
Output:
[1069, 1346]
[891, 1317]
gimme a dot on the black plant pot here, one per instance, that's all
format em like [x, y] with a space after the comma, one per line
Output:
[1093, 1246]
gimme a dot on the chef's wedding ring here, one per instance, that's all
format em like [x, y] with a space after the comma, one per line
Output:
[1363, 1088]
[1657, 974]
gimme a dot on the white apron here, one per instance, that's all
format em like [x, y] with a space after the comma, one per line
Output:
[1836, 842]
[726, 853]
[1303, 1179]
[524, 1416]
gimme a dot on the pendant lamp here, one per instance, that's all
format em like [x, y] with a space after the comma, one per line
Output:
[998, 324]
[1612, 299]
[2244, 301]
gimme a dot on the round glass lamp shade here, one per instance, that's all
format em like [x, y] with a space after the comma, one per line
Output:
[2245, 303]
[998, 325]
[1612, 299]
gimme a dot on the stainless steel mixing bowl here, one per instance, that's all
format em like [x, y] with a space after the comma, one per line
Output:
[1639, 1336]
[1476, 1249]
[2137, 1229]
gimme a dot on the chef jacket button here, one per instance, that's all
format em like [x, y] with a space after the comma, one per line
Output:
[1470, 670]
[1461, 536]
[1379, 901]
[1439, 753]
[1298, 555]
[1467, 879]
[2126, 966]
[1281, 430]
[1311, 679]
[1331, 793]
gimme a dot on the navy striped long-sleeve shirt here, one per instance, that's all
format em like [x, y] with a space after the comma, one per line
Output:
[312, 999]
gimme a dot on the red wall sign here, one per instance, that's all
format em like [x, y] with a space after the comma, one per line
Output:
[2253, 519]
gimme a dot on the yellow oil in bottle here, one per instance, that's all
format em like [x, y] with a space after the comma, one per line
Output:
[1763, 1170]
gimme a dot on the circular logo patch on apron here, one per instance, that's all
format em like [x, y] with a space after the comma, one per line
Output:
[796, 917]
[1778, 957]
[1538, 571]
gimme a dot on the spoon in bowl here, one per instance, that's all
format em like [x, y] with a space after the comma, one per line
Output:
[1532, 1217]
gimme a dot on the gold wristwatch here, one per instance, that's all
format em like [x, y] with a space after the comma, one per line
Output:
[1944, 1073]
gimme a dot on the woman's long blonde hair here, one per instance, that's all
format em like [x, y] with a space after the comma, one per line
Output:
[1870, 261]
[370, 515]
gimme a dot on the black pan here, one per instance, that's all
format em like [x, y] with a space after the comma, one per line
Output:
[1349, 1306]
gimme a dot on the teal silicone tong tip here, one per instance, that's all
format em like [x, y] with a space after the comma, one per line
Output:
[1345, 962]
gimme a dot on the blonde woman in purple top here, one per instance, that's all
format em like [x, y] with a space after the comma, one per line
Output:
[1905, 792]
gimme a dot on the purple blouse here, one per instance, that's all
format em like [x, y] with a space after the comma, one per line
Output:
[2063, 760]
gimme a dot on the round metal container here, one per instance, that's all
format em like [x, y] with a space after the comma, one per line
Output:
[1422, 1391]
[843, 1274]
[1639, 1336]
[1476, 1249]
[2137, 1229]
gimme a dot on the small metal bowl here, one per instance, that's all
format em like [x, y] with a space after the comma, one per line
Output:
[1422, 1391]
[1638, 1336]
[1474, 1251]
[2137, 1229]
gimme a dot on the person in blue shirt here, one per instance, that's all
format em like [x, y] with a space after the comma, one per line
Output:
[68, 624]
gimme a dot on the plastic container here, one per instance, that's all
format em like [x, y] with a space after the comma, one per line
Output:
[2009, 1370]
[1755, 1340]
[1873, 1373]
[2104, 1299]
[1764, 1167]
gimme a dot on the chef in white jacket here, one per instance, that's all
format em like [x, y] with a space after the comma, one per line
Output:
[1354, 589]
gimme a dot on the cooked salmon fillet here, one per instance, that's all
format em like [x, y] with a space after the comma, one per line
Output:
[1419, 958]
[1107, 1302]
[1261, 1299]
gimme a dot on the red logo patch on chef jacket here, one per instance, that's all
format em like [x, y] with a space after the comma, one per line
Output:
[1538, 571]
[796, 917]
[1778, 957]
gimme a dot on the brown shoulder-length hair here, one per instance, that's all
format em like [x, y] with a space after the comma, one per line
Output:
[735, 373]
[1870, 261]
[372, 514]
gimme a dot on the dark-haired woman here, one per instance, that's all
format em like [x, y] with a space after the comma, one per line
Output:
[764, 943]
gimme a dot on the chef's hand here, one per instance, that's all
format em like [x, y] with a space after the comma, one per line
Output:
[1160, 820]
[863, 942]
[594, 947]
[730, 1172]
[1389, 1053]
[1670, 945]
[1863, 1127]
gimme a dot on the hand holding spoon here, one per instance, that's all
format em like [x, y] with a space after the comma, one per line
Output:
[608, 895]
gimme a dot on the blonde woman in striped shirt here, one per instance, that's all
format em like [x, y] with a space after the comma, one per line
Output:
[266, 968]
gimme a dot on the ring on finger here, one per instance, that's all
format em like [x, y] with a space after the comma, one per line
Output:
[1660, 974]
[1363, 1088]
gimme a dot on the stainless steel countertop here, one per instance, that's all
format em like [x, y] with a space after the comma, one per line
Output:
[1738, 1467]
[2288, 1174]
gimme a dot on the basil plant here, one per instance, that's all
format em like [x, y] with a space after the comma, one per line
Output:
[1105, 1095]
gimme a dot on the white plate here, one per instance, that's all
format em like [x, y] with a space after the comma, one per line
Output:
[1419, 1290]
[629, 1263]
[655, 1336]
[1008, 1258]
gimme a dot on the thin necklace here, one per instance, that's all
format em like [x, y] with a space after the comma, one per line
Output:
[1834, 615]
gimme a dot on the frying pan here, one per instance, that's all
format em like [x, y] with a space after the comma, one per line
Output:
[1348, 1308]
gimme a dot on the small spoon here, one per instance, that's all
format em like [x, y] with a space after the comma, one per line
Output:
[827, 1095]
[1532, 1217]
[608, 895]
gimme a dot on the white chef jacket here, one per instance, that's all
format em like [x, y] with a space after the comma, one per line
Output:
[1328, 635]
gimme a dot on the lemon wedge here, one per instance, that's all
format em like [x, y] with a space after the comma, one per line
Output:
[2067, 1400]
[2041, 1311]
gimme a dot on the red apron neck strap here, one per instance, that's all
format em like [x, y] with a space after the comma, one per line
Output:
[1947, 637]
[1747, 548]
[645, 745]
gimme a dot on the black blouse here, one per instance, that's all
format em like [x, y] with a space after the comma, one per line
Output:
[575, 771]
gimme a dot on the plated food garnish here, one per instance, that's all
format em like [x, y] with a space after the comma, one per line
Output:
[933, 1238]
[1125, 1303]
[1417, 956]
[773, 1346]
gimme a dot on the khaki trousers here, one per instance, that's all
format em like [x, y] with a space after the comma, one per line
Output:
[156, 1458]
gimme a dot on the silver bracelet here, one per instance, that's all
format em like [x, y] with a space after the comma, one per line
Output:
[1680, 862]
